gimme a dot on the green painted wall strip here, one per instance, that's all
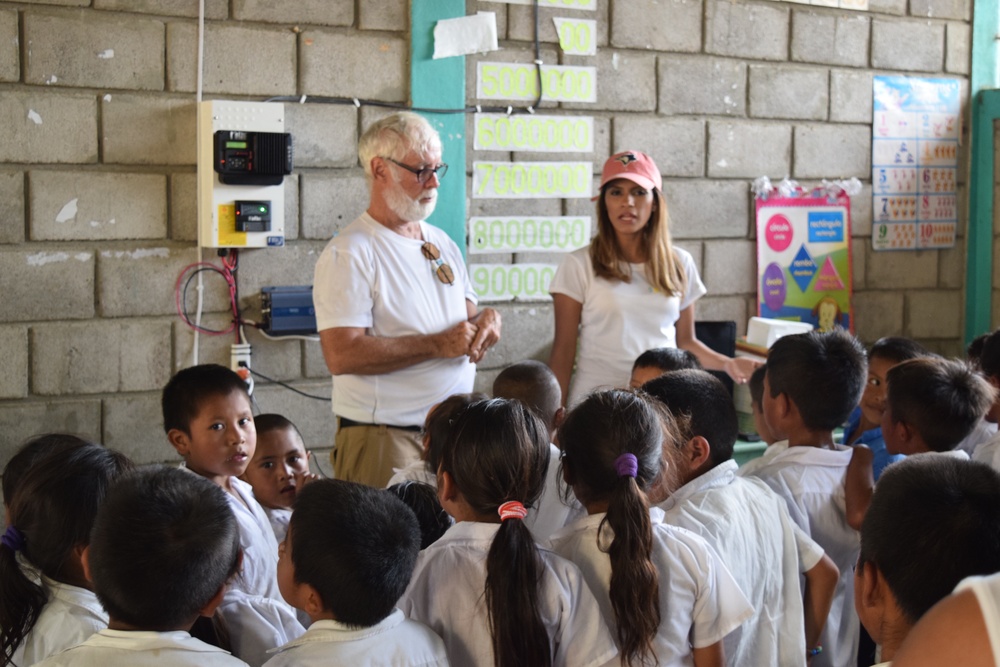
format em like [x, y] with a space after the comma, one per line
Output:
[440, 84]
[985, 109]
[979, 251]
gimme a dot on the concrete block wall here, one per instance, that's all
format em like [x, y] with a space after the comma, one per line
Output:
[97, 172]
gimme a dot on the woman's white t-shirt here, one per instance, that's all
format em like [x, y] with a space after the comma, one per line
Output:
[620, 320]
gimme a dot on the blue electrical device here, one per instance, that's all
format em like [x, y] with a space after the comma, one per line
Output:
[287, 311]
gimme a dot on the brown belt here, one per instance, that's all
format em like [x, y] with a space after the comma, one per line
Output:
[347, 423]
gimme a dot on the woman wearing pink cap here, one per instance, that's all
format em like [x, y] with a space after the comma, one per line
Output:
[629, 291]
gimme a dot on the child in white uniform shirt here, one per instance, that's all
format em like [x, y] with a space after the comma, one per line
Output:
[664, 591]
[933, 521]
[163, 547]
[534, 384]
[488, 590]
[278, 470]
[812, 383]
[49, 520]
[207, 418]
[346, 560]
[747, 524]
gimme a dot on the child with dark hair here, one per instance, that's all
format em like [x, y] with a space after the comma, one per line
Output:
[208, 420]
[163, 547]
[756, 387]
[986, 428]
[653, 363]
[988, 451]
[666, 594]
[50, 516]
[485, 586]
[422, 499]
[747, 524]
[864, 426]
[437, 424]
[534, 384]
[278, 470]
[933, 521]
[347, 558]
[31, 451]
[932, 404]
[813, 381]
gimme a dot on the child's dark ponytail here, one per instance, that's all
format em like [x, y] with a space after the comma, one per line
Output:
[50, 514]
[497, 454]
[613, 446]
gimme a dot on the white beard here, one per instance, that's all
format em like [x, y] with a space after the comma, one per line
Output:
[406, 208]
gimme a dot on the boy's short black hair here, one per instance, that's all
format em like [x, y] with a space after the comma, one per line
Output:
[534, 384]
[756, 385]
[273, 422]
[933, 521]
[941, 399]
[898, 349]
[356, 545]
[823, 373]
[423, 500]
[974, 351]
[188, 389]
[163, 543]
[989, 355]
[701, 405]
[667, 359]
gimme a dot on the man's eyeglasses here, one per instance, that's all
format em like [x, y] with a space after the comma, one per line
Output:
[424, 174]
[441, 269]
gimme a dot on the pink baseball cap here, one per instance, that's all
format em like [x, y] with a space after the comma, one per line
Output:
[635, 166]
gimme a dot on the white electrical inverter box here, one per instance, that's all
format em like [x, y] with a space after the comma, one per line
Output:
[230, 214]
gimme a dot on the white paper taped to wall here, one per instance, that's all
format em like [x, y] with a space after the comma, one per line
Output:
[465, 35]
[539, 233]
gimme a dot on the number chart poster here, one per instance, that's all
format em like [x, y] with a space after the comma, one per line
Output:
[915, 132]
[804, 260]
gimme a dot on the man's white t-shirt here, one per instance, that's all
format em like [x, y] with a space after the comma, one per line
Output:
[749, 527]
[370, 277]
[619, 320]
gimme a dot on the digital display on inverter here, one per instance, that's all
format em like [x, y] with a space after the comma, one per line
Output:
[236, 144]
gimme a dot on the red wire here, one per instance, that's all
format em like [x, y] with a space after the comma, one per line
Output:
[227, 274]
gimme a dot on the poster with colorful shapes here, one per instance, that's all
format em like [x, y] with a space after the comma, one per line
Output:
[915, 133]
[804, 260]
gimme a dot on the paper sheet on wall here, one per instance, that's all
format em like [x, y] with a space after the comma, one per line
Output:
[915, 131]
[804, 260]
[465, 35]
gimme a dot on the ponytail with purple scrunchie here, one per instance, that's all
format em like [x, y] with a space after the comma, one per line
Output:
[627, 465]
[13, 539]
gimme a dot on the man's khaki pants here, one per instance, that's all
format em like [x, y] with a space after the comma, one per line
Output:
[367, 453]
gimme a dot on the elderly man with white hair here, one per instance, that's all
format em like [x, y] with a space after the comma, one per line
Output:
[395, 310]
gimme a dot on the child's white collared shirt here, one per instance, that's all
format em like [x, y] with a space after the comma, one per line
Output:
[119, 648]
[278, 518]
[71, 615]
[552, 513]
[257, 617]
[446, 593]
[748, 525]
[393, 642]
[811, 481]
[699, 601]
